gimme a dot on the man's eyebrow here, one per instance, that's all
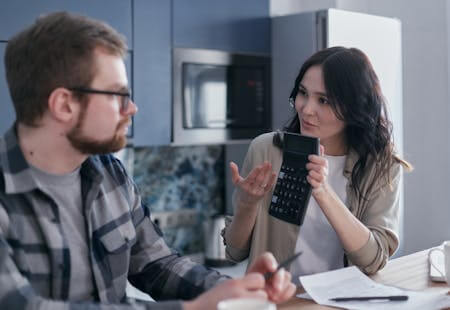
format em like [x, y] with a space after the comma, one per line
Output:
[125, 89]
[119, 88]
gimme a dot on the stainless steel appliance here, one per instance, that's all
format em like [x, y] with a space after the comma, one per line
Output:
[219, 96]
[214, 246]
[296, 37]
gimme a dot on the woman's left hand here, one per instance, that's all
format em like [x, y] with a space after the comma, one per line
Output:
[317, 172]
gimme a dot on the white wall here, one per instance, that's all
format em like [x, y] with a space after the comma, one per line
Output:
[425, 117]
[426, 142]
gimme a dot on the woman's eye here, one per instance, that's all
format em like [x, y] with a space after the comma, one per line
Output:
[323, 100]
[301, 92]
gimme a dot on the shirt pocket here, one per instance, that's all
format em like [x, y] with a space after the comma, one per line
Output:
[114, 261]
[119, 239]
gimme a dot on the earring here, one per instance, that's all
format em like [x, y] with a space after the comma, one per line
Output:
[292, 102]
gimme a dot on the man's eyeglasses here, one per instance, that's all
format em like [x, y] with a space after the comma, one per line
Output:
[125, 97]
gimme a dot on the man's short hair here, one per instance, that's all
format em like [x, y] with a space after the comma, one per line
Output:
[56, 51]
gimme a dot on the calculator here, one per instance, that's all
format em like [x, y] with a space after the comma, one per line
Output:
[292, 191]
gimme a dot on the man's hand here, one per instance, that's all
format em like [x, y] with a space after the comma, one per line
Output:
[279, 287]
[250, 286]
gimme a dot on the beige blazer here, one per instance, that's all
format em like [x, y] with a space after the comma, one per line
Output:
[379, 212]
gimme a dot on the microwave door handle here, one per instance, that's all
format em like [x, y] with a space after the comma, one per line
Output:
[222, 122]
[187, 115]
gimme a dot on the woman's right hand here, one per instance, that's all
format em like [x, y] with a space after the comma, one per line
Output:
[251, 189]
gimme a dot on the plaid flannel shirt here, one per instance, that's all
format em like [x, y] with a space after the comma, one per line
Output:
[123, 242]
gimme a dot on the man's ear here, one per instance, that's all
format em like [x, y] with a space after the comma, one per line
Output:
[61, 105]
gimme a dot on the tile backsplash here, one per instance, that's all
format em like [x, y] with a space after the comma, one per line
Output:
[185, 177]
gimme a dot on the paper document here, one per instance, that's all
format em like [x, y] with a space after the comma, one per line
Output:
[351, 282]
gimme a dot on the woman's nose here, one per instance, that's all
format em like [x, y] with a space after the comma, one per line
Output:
[307, 106]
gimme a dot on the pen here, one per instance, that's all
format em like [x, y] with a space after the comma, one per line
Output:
[286, 263]
[369, 298]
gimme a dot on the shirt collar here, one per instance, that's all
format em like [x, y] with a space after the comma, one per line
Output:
[17, 173]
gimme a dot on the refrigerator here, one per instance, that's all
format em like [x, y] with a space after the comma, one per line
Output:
[296, 37]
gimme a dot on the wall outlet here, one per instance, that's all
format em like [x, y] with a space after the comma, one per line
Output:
[173, 219]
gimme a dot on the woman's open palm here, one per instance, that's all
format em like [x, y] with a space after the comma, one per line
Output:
[252, 188]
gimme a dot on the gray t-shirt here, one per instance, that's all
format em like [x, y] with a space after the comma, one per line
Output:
[66, 191]
[320, 246]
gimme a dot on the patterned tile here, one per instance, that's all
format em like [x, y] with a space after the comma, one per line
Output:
[173, 178]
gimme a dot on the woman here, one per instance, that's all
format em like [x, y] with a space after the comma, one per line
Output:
[353, 214]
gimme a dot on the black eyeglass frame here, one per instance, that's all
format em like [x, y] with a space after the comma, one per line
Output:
[125, 96]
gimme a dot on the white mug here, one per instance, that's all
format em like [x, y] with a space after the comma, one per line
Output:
[446, 251]
[245, 304]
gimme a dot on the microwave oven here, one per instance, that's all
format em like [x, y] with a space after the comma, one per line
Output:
[219, 97]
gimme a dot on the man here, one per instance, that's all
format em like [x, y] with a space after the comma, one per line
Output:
[73, 229]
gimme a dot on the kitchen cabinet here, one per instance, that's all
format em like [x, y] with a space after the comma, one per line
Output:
[232, 25]
[17, 14]
[7, 114]
[146, 24]
[152, 72]
[238, 26]
[152, 28]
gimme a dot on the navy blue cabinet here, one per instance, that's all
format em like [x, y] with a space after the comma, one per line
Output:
[7, 115]
[232, 25]
[17, 14]
[148, 63]
[152, 72]
[152, 28]
[159, 25]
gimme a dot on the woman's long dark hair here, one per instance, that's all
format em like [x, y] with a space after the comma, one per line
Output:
[354, 94]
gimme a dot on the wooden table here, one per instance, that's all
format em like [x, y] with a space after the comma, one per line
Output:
[408, 272]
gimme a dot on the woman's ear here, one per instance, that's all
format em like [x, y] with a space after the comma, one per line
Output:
[61, 105]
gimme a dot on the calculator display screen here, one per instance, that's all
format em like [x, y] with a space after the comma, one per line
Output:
[299, 144]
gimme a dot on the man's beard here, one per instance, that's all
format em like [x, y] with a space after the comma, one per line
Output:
[87, 145]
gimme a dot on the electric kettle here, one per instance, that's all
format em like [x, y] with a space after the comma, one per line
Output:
[214, 246]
